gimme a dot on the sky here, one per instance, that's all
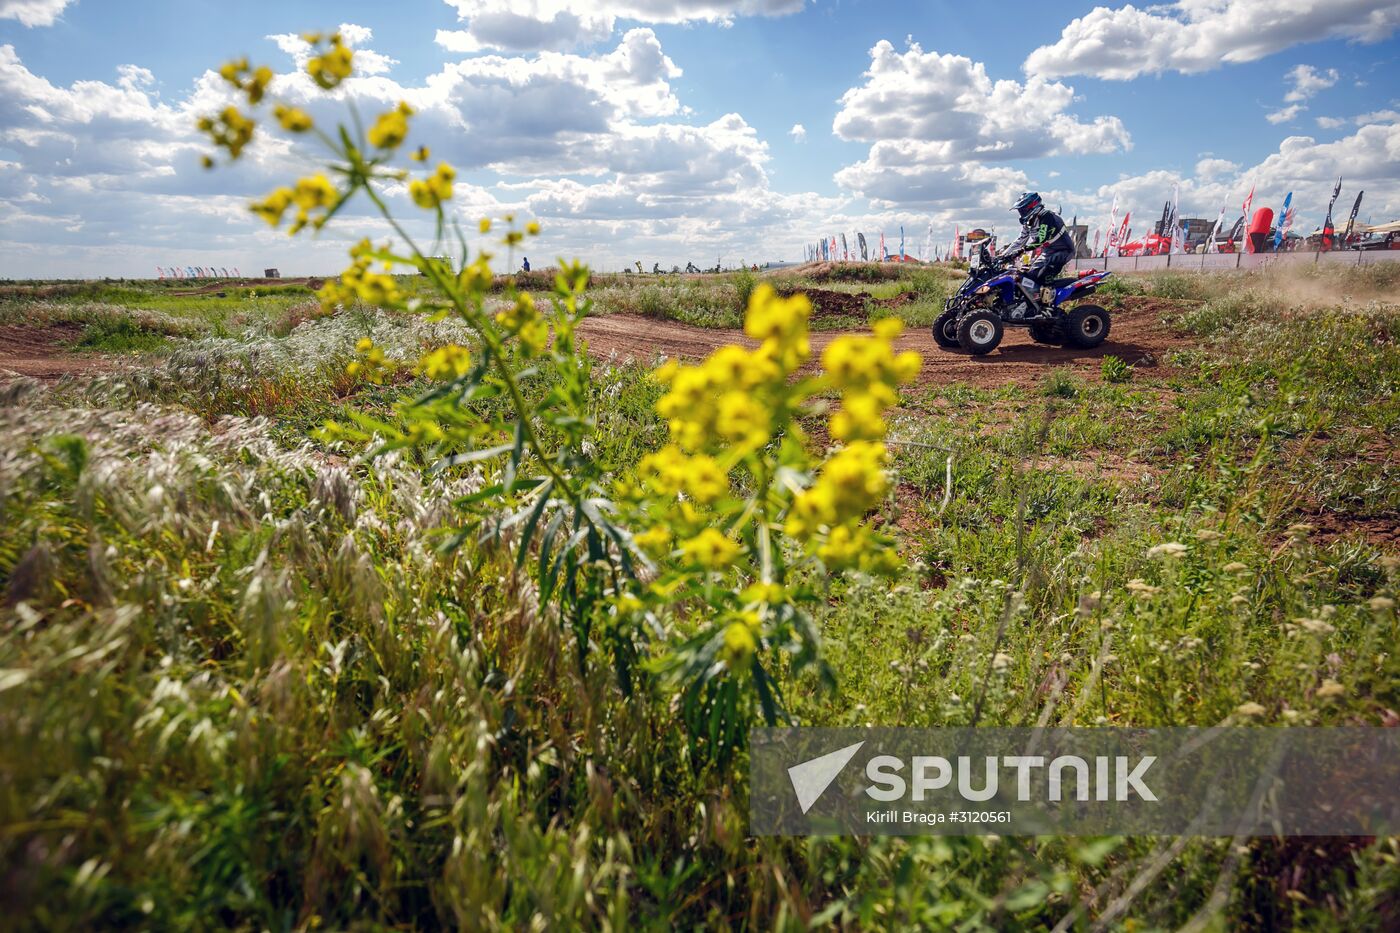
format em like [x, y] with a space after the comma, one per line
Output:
[675, 131]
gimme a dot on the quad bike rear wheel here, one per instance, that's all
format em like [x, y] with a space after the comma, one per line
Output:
[945, 331]
[979, 332]
[1086, 326]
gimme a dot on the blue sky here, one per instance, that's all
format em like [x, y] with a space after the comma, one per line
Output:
[663, 130]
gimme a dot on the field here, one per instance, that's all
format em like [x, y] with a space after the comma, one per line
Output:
[256, 673]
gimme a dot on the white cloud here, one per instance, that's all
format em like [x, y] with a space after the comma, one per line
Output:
[1368, 159]
[932, 119]
[1198, 35]
[557, 25]
[33, 12]
[798, 133]
[104, 176]
[1285, 114]
[1215, 168]
[1331, 123]
[1307, 81]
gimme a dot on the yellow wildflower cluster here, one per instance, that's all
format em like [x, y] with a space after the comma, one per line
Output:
[429, 193]
[334, 64]
[524, 321]
[315, 193]
[358, 281]
[249, 80]
[849, 484]
[710, 549]
[293, 119]
[231, 131]
[722, 400]
[370, 364]
[391, 128]
[449, 362]
[866, 369]
[670, 471]
[740, 639]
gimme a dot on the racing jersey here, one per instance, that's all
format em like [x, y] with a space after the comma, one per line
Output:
[1048, 234]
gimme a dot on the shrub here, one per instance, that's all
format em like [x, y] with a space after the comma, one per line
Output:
[1114, 369]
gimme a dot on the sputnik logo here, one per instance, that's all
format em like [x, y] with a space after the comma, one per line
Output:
[811, 778]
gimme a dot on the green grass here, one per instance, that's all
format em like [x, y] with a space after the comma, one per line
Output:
[244, 684]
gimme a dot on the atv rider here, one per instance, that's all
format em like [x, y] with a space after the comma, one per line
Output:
[1041, 229]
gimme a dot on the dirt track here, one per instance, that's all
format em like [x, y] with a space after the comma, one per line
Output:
[1137, 337]
[39, 352]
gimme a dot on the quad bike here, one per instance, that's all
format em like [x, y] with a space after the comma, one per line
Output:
[993, 297]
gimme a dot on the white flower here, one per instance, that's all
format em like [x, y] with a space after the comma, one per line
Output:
[1250, 709]
[1316, 626]
[1330, 688]
[1001, 661]
[1140, 587]
[1235, 566]
[1381, 603]
[1168, 549]
[1207, 534]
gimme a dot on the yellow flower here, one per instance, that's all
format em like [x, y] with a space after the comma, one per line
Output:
[332, 66]
[742, 420]
[231, 131]
[274, 206]
[762, 593]
[703, 478]
[430, 192]
[420, 154]
[485, 225]
[449, 362]
[293, 119]
[711, 549]
[525, 322]
[313, 193]
[778, 318]
[654, 541]
[739, 643]
[845, 546]
[391, 128]
[533, 228]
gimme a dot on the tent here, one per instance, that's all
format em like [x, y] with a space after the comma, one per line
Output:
[1392, 227]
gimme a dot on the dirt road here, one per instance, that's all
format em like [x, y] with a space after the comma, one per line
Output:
[1137, 337]
[40, 352]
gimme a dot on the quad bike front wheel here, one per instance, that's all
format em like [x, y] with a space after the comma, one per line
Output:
[979, 332]
[945, 331]
[1086, 326]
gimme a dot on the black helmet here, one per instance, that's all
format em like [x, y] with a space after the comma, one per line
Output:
[1028, 205]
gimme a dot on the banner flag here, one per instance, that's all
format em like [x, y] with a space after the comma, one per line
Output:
[1112, 224]
[1327, 227]
[864, 249]
[957, 242]
[1178, 237]
[1351, 221]
[1211, 245]
[1123, 233]
[901, 242]
[1285, 220]
[1095, 250]
[882, 246]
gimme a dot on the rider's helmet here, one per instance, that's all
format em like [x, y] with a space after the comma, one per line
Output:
[1029, 206]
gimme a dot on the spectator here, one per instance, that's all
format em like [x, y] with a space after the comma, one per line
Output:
[525, 264]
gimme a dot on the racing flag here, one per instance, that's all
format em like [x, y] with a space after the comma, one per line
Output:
[1327, 227]
[1351, 221]
[1112, 225]
[1285, 220]
[1215, 233]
